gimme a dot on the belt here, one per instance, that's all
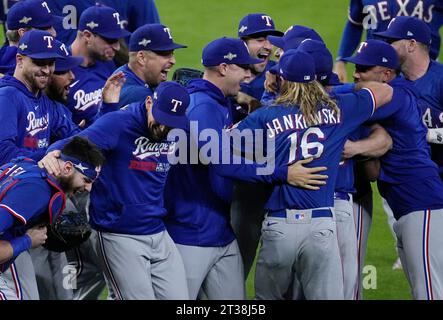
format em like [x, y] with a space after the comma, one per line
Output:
[342, 196]
[315, 213]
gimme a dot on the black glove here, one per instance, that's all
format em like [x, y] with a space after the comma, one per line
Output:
[69, 230]
[184, 75]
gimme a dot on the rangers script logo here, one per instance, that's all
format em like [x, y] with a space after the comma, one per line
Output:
[145, 148]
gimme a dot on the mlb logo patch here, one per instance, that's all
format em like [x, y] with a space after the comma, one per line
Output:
[299, 216]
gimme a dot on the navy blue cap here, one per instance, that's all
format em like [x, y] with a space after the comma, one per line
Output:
[256, 23]
[38, 44]
[103, 21]
[227, 50]
[31, 13]
[296, 66]
[322, 57]
[154, 37]
[68, 61]
[333, 80]
[294, 36]
[170, 101]
[375, 53]
[407, 28]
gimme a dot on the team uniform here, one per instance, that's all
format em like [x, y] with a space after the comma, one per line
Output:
[361, 11]
[299, 232]
[197, 198]
[85, 94]
[414, 191]
[130, 224]
[20, 179]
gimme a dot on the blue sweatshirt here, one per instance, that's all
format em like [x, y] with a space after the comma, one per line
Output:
[127, 197]
[7, 59]
[29, 122]
[134, 89]
[197, 196]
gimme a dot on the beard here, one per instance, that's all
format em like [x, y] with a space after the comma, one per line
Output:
[35, 84]
[66, 184]
[55, 93]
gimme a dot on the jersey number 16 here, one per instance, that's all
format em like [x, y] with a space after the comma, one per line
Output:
[308, 149]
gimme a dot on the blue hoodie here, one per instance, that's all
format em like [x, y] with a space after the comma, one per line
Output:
[7, 59]
[127, 197]
[29, 122]
[197, 196]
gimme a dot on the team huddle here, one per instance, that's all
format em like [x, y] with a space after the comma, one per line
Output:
[91, 130]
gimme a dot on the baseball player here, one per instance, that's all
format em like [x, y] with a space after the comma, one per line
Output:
[299, 239]
[23, 220]
[248, 199]
[97, 42]
[49, 265]
[197, 197]
[131, 232]
[24, 16]
[378, 61]
[151, 57]
[375, 15]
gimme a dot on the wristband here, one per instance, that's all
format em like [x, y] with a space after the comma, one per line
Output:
[20, 244]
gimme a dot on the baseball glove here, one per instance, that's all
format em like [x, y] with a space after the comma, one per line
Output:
[184, 75]
[69, 230]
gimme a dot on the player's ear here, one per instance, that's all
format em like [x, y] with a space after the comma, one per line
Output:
[68, 168]
[223, 69]
[19, 60]
[21, 32]
[87, 35]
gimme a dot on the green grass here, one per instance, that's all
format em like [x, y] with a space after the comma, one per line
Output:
[195, 23]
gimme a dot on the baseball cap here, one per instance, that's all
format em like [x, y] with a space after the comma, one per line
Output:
[296, 66]
[294, 36]
[67, 60]
[103, 21]
[407, 28]
[38, 44]
[227, 50]
[255, 23]
[31, 13]
[375, 53]
[170, 101]
[332, 80]
[155, 37]
[322, 57]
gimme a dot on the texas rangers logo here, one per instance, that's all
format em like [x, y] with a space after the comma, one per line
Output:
[145, 148]
[86, 100]
[230, 56]
[35, 125]
[176, 103]
[25, 20]
[144, 42]
[92, 25]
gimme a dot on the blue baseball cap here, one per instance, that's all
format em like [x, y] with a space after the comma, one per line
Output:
[31, 13]
[257, 23]
[407, 28]
[227, 50]
[296, 66]
[67, 61]
[154, 37]
[104, 21]
[332, 80]
[294, 36]
[322, 57]
[375, 53]
[170, 101]
[38, 44]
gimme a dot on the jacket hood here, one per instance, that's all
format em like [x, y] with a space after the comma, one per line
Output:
[210, 89]
[9, 81]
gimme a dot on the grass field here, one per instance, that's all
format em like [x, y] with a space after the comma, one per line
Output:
[197, 22]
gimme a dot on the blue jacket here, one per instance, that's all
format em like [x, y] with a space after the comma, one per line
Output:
[127, 197]
[197, 196]
[29, 122]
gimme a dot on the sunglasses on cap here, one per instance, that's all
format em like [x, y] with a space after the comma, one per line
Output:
[362, 68]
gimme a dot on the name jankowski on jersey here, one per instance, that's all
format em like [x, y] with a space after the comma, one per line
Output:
[298, 122]
[35, 125]
[86, 100]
